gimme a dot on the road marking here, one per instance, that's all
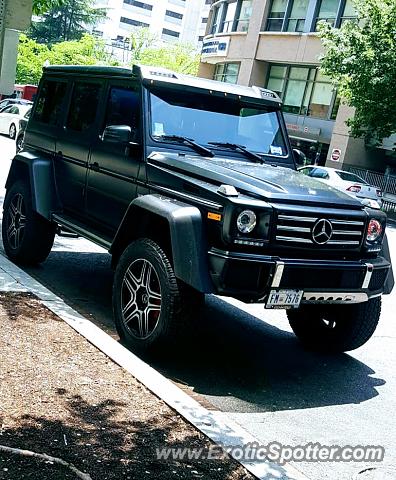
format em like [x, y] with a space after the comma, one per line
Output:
[214, 424]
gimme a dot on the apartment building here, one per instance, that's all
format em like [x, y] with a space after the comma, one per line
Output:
[274, 44]
[169, 20]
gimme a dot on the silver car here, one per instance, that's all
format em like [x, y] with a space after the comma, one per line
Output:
[344, 181]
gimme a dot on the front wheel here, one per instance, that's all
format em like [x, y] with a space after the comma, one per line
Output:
[27, 237]
[335, 328]
[152, 309]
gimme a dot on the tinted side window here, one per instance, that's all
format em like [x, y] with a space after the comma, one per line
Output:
[318, 173]
[83, 106]
[123, 107]
[49, 103]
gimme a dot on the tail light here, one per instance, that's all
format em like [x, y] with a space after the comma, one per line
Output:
[379, 193]
[354, 188]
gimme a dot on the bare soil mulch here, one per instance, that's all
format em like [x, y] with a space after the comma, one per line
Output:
[59, 395]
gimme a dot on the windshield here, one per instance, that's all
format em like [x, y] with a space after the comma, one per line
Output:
[206, 119]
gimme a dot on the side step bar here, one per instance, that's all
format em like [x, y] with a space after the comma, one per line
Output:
[80, 231]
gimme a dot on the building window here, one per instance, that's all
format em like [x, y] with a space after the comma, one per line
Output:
[134, 23]
[137, 4]
[176, 15]
[287, 16]
[204, 20]
[171, 33]
[349, 13]
[336, 12]
[232, 16]
[304, 91]
[226, 72]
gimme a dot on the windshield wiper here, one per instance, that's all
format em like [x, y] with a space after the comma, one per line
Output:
[241, 148]
[187, 141]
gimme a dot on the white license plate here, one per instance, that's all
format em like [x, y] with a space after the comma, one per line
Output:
[284, 299]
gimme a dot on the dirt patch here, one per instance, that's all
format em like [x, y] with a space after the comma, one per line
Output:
[59, 395]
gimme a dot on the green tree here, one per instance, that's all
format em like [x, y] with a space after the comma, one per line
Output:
[361, 59]
[140, 40]
[32, 56]
[67, 20]
[42, 6]
[179, 58]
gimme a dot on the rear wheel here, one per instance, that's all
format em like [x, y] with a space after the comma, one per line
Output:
[335, 328]
[12, 131]
[152, 309]
[27, 237]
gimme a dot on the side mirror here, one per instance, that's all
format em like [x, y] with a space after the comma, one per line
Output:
[117, 134]
[299, 157]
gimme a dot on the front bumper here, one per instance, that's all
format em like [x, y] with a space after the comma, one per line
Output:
[251, 277]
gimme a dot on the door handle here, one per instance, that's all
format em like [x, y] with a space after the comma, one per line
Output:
[95, 166]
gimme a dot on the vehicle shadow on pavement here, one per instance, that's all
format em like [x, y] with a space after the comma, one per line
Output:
[238, 355]
[232, 353]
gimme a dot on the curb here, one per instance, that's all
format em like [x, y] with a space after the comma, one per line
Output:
[214, 424]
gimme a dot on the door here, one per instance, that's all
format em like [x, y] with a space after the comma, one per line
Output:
[5, 118]
[114, 164]
[74, 144]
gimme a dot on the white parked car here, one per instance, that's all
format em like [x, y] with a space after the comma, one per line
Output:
[344, 181]
[10, 117]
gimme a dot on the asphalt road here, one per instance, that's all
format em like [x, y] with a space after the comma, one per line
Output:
[248, 364]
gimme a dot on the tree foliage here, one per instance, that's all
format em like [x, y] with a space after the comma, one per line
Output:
[361, 59]
[179, 58]
[42, 6]
[147, 50]
[66, 20]
[32, 56]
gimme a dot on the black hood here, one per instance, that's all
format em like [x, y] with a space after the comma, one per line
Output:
[271, 183]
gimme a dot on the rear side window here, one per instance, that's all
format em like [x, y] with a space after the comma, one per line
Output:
[350, 177]
[83, 106]
[49, 103]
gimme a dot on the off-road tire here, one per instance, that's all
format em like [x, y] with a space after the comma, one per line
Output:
[19, 142]
[36, 234]
[12, 131]
[168, 327]
[335, 328]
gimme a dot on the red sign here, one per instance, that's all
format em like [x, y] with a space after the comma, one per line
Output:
[336, 154]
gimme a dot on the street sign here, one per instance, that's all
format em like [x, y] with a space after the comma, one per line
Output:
[336, 154]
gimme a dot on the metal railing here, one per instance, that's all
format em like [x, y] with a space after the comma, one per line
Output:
[389, 208]
[387, 183]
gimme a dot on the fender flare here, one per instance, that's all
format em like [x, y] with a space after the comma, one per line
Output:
[41, 178]
[390, 281]
[188, 242]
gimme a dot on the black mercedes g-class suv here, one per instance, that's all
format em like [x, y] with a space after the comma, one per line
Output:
[191, 185]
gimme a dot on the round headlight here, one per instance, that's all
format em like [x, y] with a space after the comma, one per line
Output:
[374, 230]
[246, 221]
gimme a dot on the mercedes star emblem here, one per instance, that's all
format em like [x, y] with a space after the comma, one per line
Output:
[322, 231]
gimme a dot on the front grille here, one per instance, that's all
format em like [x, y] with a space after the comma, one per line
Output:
[378, 279]
[308, 277]
[298, 231]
